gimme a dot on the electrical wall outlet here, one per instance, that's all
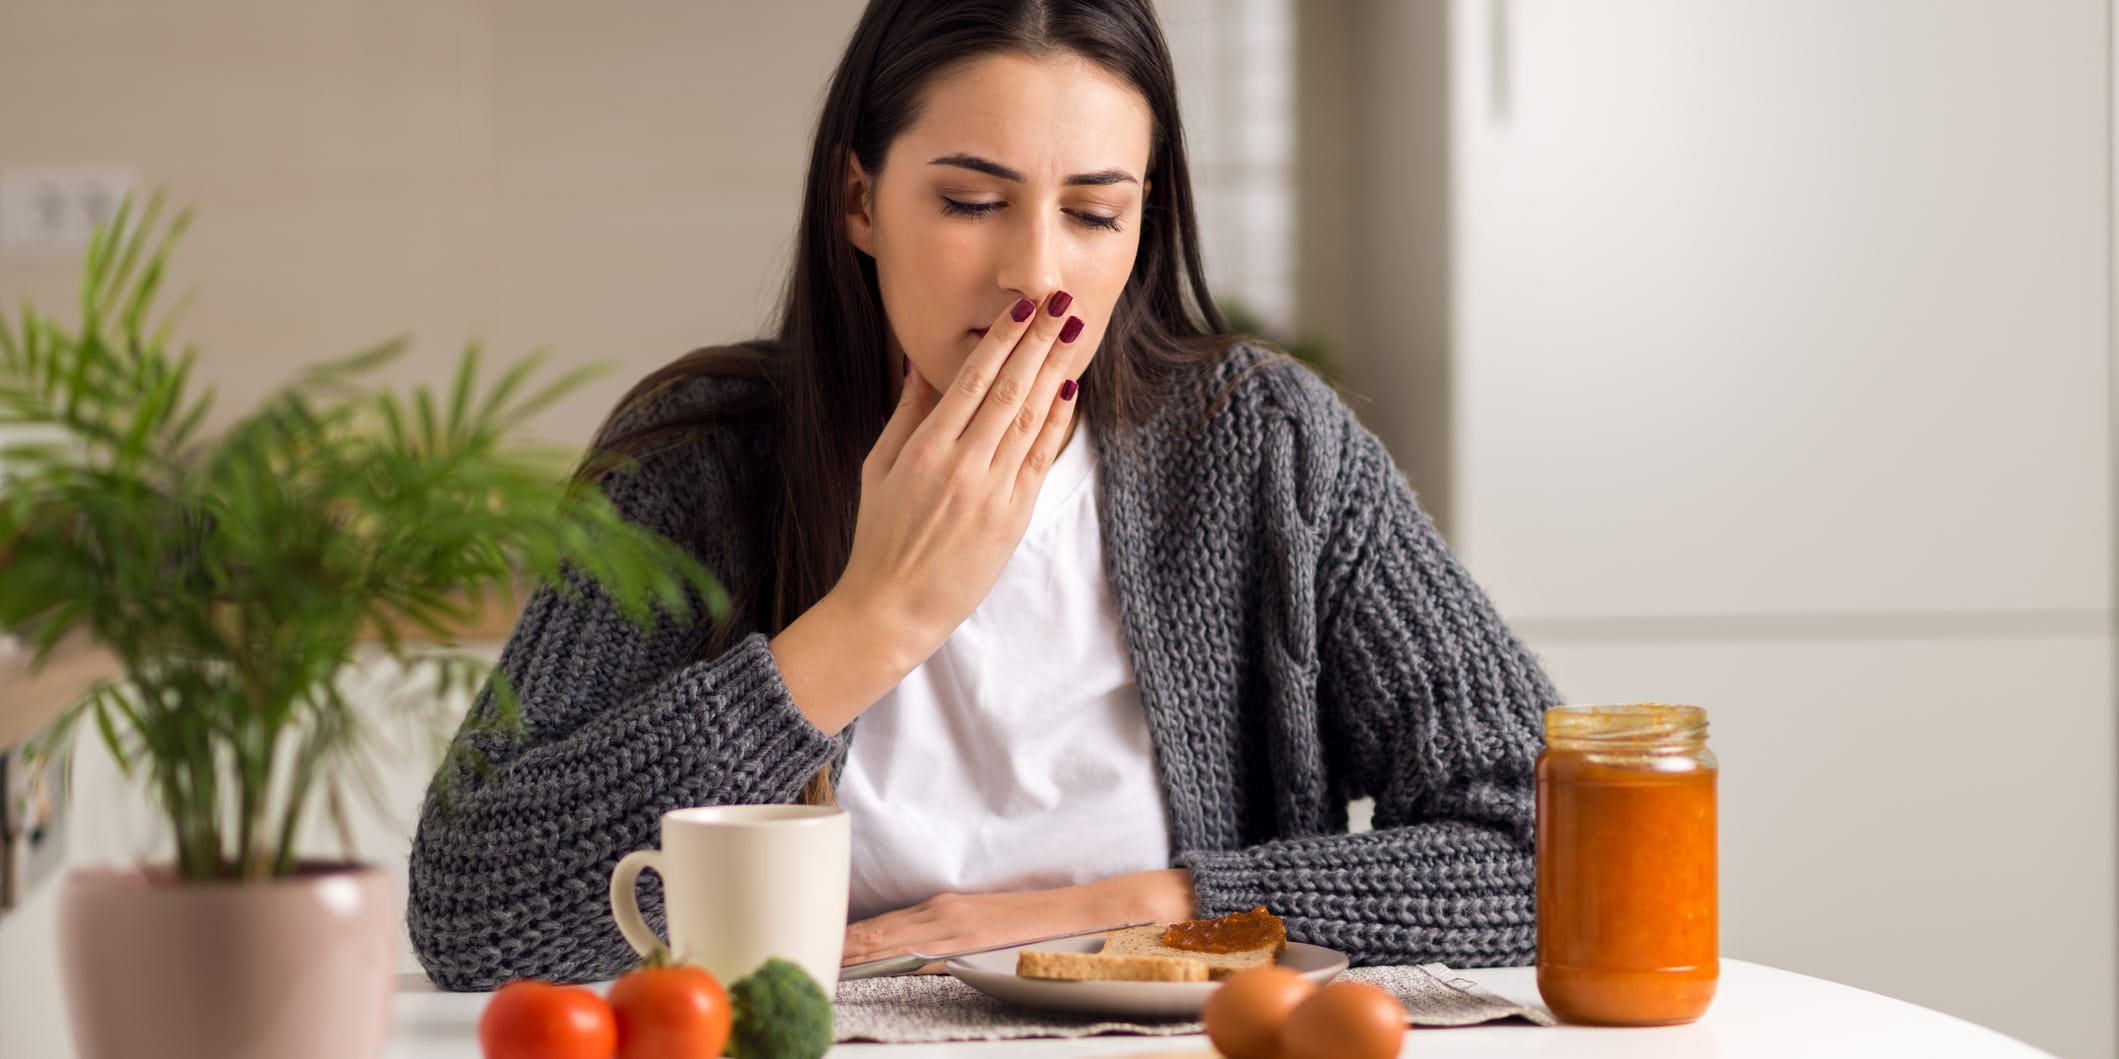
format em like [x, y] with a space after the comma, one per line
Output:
[32, 825]
[47, 213]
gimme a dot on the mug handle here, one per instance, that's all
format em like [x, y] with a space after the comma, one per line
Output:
[625, 905]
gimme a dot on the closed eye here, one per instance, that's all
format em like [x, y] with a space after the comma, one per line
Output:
[979, 209]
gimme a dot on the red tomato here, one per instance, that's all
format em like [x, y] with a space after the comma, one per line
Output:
[539, 1020]
[673, 1012]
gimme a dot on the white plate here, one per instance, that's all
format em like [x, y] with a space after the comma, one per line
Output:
[993, 973]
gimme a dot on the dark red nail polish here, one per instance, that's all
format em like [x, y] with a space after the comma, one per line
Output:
[1058, 305]
[908, 367]
[1073, 330]
[1023, 308]
[1067, 390]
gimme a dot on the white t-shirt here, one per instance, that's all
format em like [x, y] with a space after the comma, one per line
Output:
[1017, 756]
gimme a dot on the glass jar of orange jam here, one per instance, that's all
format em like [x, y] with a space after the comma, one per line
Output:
[1627, 932]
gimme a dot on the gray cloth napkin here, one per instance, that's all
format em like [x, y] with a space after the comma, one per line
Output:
[916, 1008]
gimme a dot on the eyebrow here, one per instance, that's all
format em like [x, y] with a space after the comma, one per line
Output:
[995, 169]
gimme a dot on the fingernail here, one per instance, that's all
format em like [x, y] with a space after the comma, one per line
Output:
[1058, 305]
[1067, 390]
[908, 367]
[1073, 330]
[1023, 308]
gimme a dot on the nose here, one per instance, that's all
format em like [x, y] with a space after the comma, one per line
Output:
[1030, 266]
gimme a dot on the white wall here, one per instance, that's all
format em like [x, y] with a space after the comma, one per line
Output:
[1236, 71]
[1373, 229]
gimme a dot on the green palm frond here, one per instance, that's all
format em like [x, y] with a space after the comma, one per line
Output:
[239, 577]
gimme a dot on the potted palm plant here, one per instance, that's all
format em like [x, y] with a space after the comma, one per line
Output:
[237, 579]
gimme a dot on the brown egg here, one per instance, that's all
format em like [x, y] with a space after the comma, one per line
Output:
[1244, 1016]
[1344, 1020]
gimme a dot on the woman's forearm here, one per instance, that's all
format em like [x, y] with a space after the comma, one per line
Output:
[1163, 896]
[510, 863]
[955, 922]
[838, 658]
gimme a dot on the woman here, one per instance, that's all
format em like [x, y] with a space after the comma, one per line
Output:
[1085, 612]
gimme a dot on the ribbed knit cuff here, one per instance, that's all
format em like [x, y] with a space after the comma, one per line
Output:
[1223, 881]
[771, 745]
[1416, 895]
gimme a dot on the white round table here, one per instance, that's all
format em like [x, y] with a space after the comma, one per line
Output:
[1758, 1012]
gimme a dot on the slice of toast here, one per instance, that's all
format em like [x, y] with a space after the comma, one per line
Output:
[1138, 954]
[1146, 942]
[1098, 967]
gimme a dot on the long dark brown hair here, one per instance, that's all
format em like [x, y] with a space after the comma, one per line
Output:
[829, 389]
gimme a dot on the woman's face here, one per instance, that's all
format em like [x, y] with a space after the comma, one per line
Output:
[1022, 176]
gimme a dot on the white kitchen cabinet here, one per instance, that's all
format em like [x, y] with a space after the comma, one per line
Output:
[1782, 306]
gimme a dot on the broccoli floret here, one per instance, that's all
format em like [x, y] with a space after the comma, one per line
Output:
[780, 1013]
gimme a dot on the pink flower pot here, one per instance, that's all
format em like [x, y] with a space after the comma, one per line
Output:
[158, 969]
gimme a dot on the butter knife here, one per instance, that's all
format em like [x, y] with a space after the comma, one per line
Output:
[913, 961]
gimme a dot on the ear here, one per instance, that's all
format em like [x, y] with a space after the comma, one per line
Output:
[858, 193]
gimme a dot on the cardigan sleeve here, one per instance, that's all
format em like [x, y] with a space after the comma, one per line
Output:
[1432, 707]
[510, 871]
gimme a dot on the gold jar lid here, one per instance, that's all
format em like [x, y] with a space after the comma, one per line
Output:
[1628, 724]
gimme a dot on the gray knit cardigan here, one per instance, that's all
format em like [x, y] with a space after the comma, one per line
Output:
[1300, 633]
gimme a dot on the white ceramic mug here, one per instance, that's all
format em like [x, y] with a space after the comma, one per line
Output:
[743, 883]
